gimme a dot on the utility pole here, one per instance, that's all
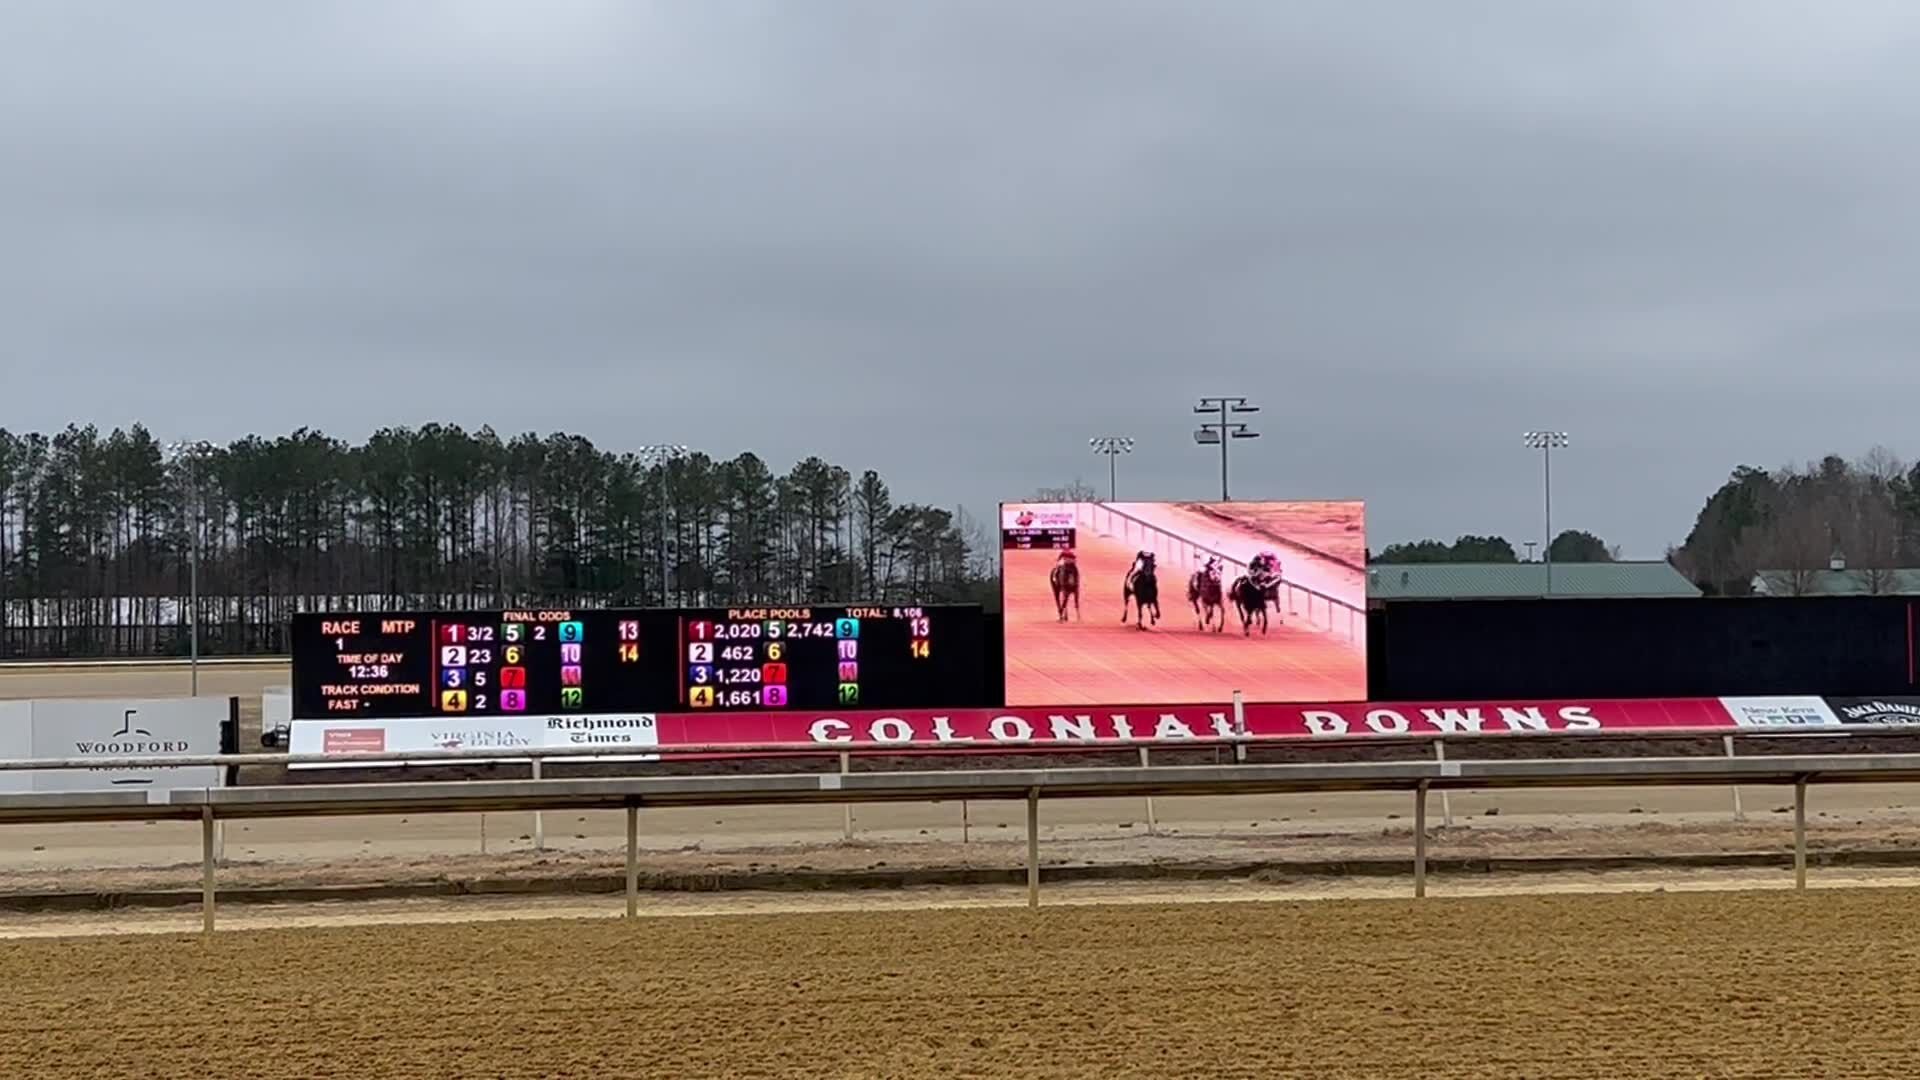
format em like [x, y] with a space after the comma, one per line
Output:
[1223, 431]
[658, 456]
[1112, 446]
[186, 457]
[1546, 442]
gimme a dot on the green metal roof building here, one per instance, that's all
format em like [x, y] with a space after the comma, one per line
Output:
[1837, 582]
[1523, 581]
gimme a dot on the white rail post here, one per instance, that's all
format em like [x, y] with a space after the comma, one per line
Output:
[539, 819]
[1240, 726]
[1146, 762]
[206, 869]
[483, 832]
[1800, 832]
[1420, 840]
[846, 809]
[220, 843]
[633, 860]
[1446, 797]
[1033, 847]
[1738, 813]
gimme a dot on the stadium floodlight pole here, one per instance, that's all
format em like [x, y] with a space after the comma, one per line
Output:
[1546, 442]
[186, 455]
[1112, 446]
[657, 456]
[1223, 431]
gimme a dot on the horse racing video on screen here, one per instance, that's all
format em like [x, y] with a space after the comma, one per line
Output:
[1184, 602]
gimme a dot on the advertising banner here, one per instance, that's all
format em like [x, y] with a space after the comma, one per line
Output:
[1014, 728]
[1780, 712]
[505, 733]
[104, 728]
[16, 742]
[1876, 712]
[1010, 727]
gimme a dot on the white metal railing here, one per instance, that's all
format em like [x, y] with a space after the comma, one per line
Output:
[214, 805]
[628, 752]
[182, 662]
[1323, 612]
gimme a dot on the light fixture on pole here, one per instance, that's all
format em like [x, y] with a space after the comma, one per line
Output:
[187, 457]
[1112, 446]
[658, 456]
[1223, 431]
[1547, 442]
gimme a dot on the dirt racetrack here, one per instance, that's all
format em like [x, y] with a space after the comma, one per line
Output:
[1618, 986]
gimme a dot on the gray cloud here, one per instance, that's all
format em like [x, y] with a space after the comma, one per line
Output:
[953, 239]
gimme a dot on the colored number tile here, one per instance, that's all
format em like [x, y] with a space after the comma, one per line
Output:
[773, 696]
[572, 697]
[571, 631]
[700, 697]
[453, 678]
[849, 671]
[513, 700]
[453, 701]
[846, 628]
[849, 693]
[570, 675]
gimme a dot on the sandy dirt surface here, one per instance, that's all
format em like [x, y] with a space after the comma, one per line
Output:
[1747, 984]
[364, 852]
[1337, 529]
[1265, 885]
[132, 680]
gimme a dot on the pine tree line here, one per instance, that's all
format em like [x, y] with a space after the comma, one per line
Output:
[97, 534]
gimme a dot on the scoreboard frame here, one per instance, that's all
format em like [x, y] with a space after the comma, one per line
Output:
[558, 661]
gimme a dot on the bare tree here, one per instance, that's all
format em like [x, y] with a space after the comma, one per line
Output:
[1795, 542]
[1870, 528]
[1871, 542]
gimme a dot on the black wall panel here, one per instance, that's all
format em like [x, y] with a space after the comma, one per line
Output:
[1640, 648]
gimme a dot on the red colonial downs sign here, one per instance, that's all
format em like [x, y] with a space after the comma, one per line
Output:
[1010, 727]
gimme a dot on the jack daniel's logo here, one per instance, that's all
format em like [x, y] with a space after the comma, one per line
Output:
[1876, 711]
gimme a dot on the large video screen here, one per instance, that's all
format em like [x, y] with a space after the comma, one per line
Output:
[552, 662]
[1182, 603]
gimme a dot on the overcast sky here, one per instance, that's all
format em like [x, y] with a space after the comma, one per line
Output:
[951, 240]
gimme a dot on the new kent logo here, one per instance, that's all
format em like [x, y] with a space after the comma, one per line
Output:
[1780, 712]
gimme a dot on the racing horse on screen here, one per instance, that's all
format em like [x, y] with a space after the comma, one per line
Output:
[1205, 594]
[1141, 591]
[1253, 590]
[1064, 579]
